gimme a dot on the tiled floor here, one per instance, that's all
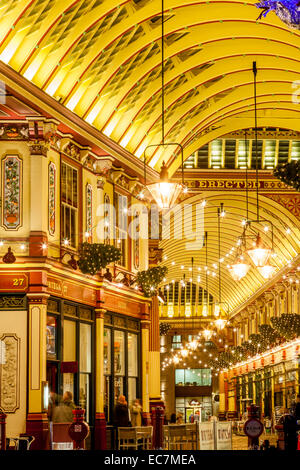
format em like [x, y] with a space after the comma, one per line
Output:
[241, 442]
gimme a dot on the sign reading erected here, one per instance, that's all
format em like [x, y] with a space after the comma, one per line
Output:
[223, 435]
[253, 428]
[206, 436]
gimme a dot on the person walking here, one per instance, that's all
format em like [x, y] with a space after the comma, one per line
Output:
[121, 414]
[136, 413]
[63, 413]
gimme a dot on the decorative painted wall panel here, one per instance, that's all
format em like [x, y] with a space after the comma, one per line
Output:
[52, 197]
[12, 192]
[10, 373]
[89, 216]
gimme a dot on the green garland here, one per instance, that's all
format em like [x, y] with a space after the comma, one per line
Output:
[150, 279]
[287, 325]
[96, 256]
[289, 173]
[164, 328]
[269, 336]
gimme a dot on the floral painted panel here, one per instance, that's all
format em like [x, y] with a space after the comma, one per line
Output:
[89, 216]
[51, 197]
[10, 373]
[12, 192]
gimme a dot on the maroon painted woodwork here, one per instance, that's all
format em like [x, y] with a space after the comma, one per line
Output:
[2, 431]
[158, 417]
[100, 432]
[37, 425]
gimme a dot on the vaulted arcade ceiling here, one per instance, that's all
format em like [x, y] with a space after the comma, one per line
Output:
[102, 60]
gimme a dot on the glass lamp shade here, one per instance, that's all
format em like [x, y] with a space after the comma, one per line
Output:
[220, 323]
[207, 334]
[205, 310]
[217, 310]
[164, 192]
[267, 271]
[176, 359]
[184, 352]
[259, 254]
[193, 344]
[238, 270]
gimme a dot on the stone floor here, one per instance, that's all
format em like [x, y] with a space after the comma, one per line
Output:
[240, 442]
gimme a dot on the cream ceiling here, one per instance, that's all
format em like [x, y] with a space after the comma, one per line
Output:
[102, 60]
[286, 246]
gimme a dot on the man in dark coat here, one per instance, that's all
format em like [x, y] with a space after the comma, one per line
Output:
[290, 431]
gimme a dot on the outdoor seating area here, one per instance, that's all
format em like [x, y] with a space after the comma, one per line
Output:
[181, 437]
[137, 438]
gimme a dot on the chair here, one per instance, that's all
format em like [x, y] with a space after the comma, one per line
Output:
[192, 435]
[127, 438]
[25, 441]
[177, 436]
[144, 436]
[60, 439]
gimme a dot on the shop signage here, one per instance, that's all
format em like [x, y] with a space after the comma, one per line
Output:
[194, 403]
[253, 428]
[71, 290]
[15, 282]
[223, 435]
[206, 436]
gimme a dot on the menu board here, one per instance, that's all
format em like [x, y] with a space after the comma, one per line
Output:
[206, 436]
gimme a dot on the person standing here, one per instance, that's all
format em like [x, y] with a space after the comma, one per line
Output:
[121, 414]
[63, 413]
[290, 431]
[136, 413]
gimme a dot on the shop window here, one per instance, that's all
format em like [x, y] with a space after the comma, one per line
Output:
[193, 377]
[69, 354]
[85, 366]
[176, 342]
[121, 226]
[69, 204]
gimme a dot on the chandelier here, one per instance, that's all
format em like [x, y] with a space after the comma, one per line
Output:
[259, 253]
[164, 192]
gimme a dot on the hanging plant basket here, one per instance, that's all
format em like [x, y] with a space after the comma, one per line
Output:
[164, 328]
[269, 336]
[287, 325]
[150, 279]
[96, 256]
[289, 173]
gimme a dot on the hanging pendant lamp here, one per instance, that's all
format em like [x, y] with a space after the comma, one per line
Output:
[164, 192]
[259, 254]
[238, 270]
[267, 271]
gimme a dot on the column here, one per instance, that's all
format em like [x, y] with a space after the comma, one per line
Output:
[100, 422]
[38, 198]
[145, 329]
[37, 420]
[154, 357]
[222, 404]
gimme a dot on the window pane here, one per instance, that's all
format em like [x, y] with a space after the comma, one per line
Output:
[68, 383]
[131, 390]
[51, 334]
[84, 390]
[179, 376]
[107, 398]
[85, 347]
[132, 356]
[119, 349]
[69, 341]
[119, 387]
[107, 351]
